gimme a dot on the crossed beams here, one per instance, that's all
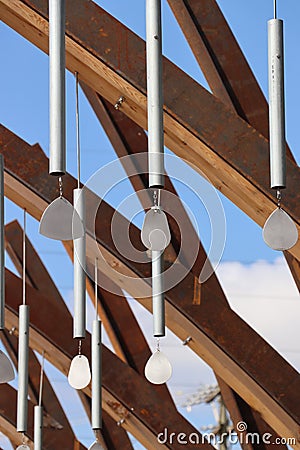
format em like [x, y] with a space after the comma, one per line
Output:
[232, 154]
[222, 347]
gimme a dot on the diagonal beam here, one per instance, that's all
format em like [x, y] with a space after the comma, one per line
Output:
[238, 410]
[222, 347]
[225, 68]
[123, 389]
[41, 280]
[222, 60]
[232, 154]
[8, 407]
[128, 138]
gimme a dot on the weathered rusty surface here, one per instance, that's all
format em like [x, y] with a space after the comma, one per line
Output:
[230, 152]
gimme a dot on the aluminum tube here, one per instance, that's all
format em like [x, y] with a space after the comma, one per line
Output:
[22, 407]
[155, 95]
[276, 104]
[158, 301]
[2, 248]
[96, 376]
[57, 164]
[79, 323]
[38, 428]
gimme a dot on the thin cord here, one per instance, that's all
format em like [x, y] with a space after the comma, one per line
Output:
[275, 9]
[24, 259]
[77, 132]
[96, 288]
[41, 379]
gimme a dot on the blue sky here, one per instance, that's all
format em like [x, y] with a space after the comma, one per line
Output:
[24, 109]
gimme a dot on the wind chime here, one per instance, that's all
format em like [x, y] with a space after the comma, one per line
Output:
[79, 373]
[23, 350]
[155, 233]
[279, 232]
[59, 220]
[62, 221]
[6, 369]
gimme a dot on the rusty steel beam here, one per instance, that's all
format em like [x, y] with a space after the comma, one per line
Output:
[126, 394]
[247, 372]
[8, 412]
[111, 60]
[128, 138]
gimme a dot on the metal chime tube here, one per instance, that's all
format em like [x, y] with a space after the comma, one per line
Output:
[158, 301]
[38, 427]
[96, 376]
[22, 409]
[57, 87]
[155, 95]
[276, 104]
[2, 249]
[79, 324]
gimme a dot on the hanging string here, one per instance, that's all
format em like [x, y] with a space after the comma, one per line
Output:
[24, 258]
[41, 379]
[96, 288]
[77, 132]
[275, 9]
[60, 186]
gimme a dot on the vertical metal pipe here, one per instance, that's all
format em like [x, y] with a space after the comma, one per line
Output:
[22, 407]
[158, 301]
[2, 249]
[96, 376]
[276, 104]
[38, 427]
[155, 94]
[79, 324]
[57, 87]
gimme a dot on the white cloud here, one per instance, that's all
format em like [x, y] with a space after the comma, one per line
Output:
[264, 294]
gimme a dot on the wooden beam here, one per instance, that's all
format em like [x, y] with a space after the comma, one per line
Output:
[128, 138]
[111, 60]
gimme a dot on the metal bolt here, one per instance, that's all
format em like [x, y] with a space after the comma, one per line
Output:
[187, 340]
[119, 103]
